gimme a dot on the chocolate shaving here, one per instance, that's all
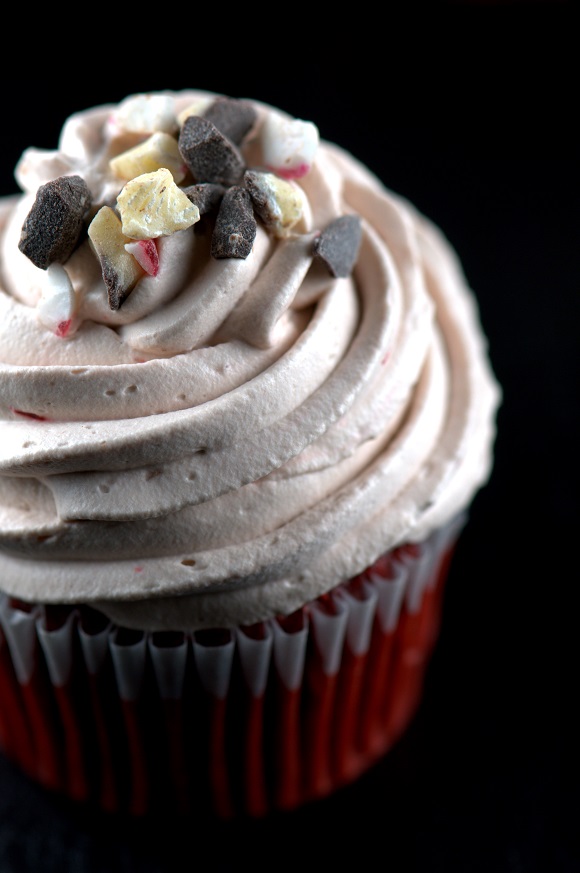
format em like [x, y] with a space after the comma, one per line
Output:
[53, 226]
[233, 117]
[209, 155]
[206, 196]
[235, 227]
[338, 245]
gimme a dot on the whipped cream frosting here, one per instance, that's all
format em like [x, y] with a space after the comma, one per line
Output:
[241, 434]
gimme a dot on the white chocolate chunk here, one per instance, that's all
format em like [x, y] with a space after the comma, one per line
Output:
[57, 305]
[158, 150]
[120, 269]
[288, 145]
[151, 205]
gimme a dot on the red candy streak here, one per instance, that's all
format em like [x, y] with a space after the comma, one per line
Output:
[32, 415]
[293, 173]
[63, 327]
[145, 253]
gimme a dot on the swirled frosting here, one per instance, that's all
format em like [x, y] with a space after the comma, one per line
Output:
[243, 433]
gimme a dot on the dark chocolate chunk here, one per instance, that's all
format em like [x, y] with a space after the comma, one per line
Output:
[235, 226]
[338, 244]
[233, 117]
[209, 155]
[53, 226]
[206, 196]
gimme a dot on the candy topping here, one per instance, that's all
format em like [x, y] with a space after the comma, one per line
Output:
[210, 156]
[145, 113]
[152, 205]
[119, 268]
[338, 244]
[145, 253]
[206, 195]
[57, 305]
[174, 169]
[53, 226]
[280, 204]
[289, 145]
[233, 118]
[235, 226]
[196, 108]
[159, 150]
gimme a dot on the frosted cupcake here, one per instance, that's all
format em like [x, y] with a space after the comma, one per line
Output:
[245, 405]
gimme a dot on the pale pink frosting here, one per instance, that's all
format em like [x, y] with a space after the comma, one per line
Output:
[204, 458]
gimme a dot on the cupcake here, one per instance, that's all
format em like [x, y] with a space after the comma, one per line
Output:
[246, 403]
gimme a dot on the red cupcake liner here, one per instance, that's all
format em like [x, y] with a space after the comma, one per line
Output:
[239, 722]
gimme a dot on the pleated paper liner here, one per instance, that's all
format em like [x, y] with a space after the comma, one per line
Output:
[239, 722]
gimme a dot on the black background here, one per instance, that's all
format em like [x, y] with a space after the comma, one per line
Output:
[469, 111]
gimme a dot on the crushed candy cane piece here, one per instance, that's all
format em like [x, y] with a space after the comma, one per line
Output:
[53, 226]
[338, 245]
[232, 116]
[288, 145]
[152, 205]
[145, 253]
[120, 269]
[158, 150]
[235, 226]
[145, 113]
[210, 156]
[279, 203]
[57, 305]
